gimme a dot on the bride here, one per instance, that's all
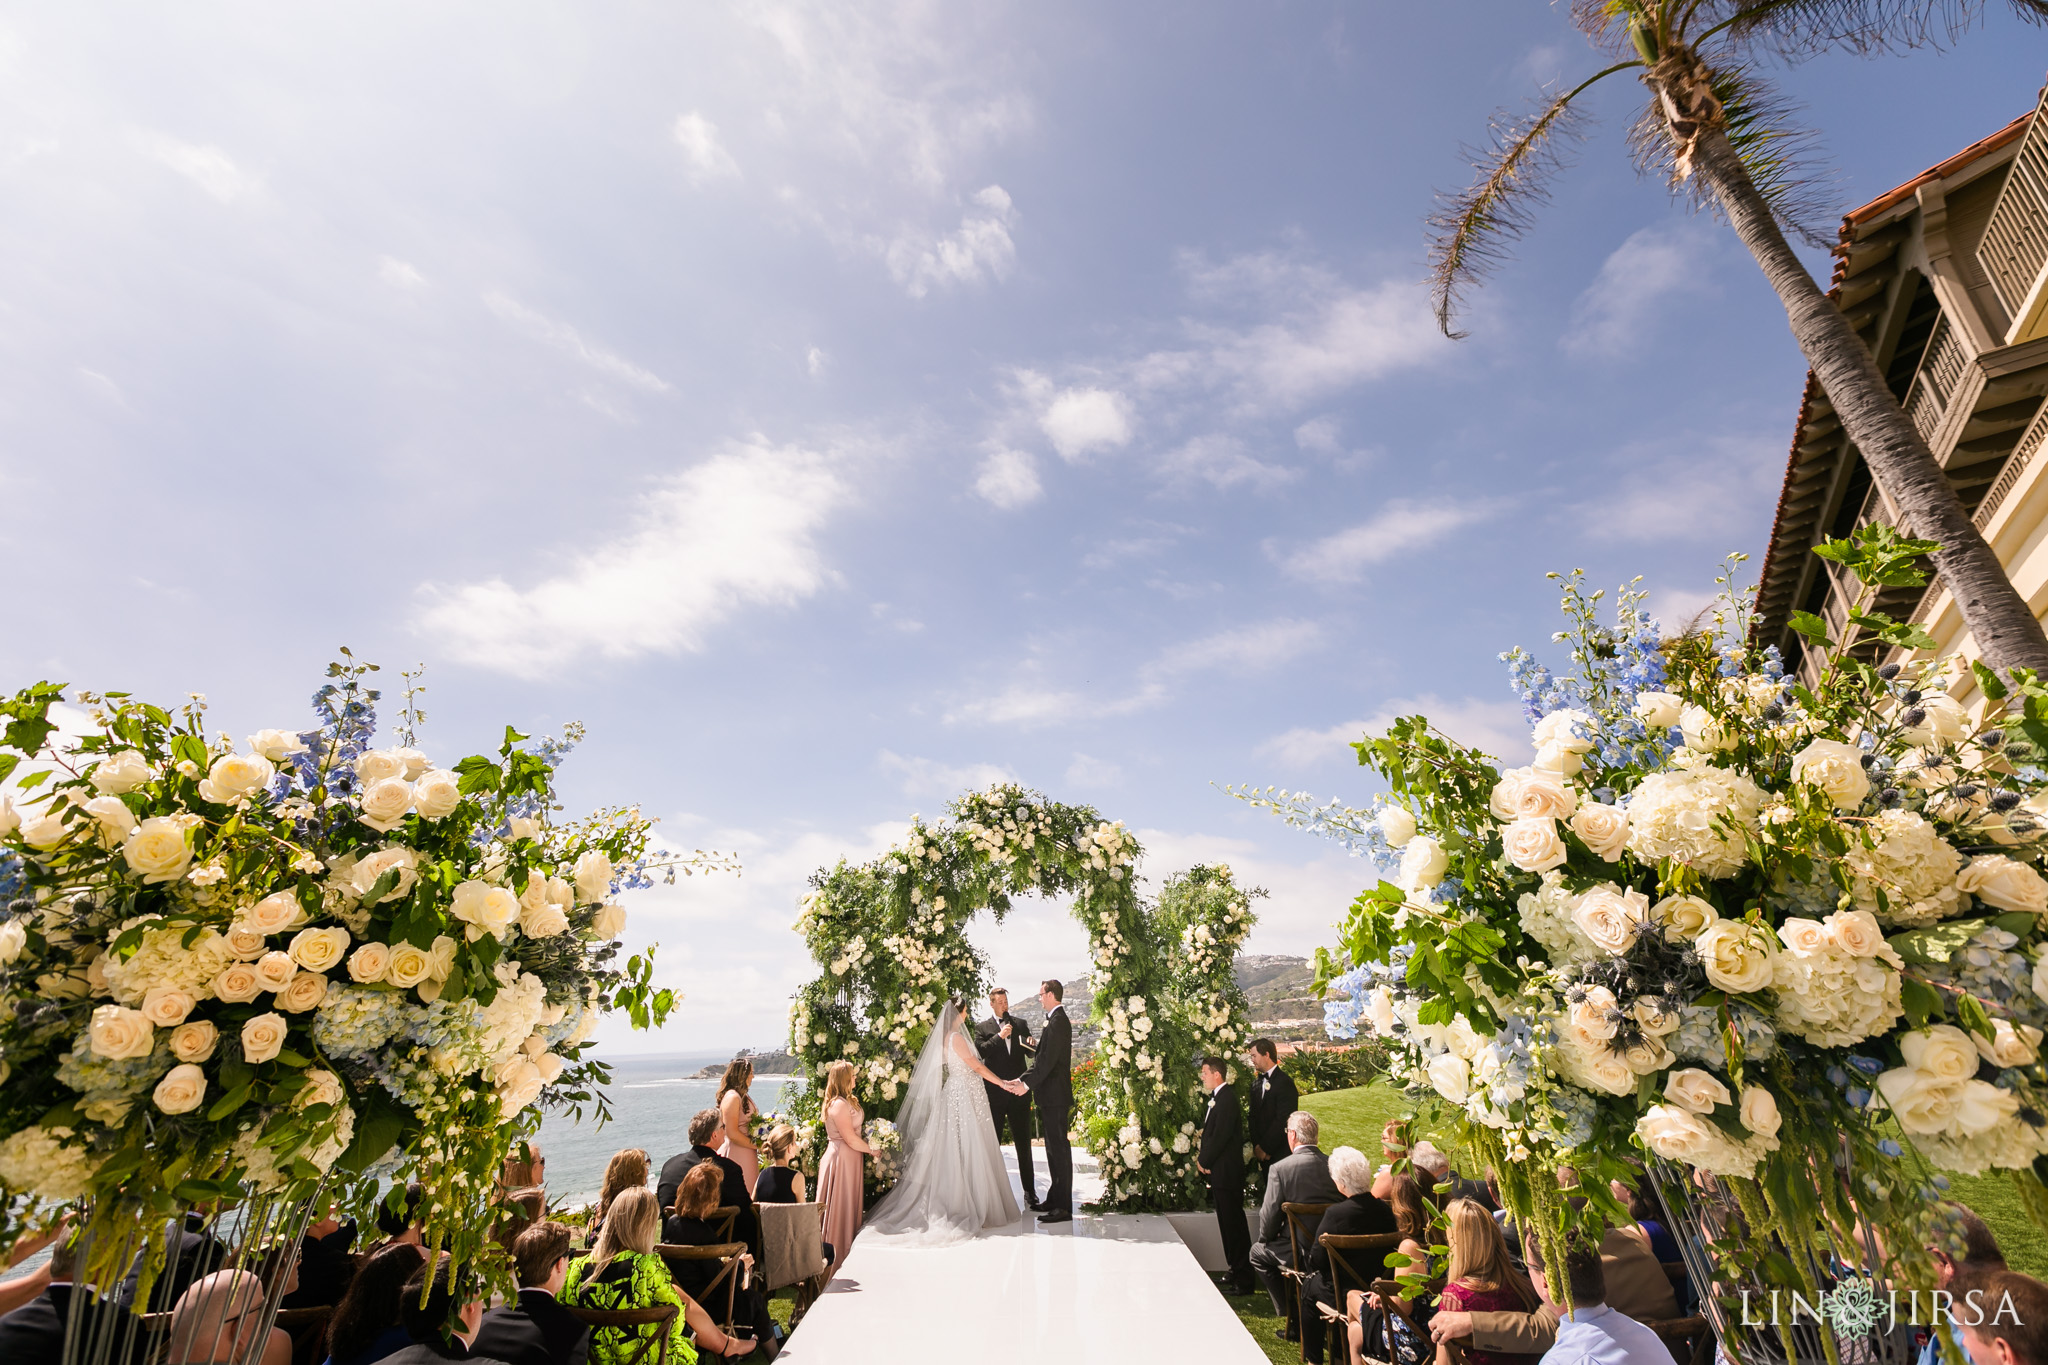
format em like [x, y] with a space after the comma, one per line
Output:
[953, 1183]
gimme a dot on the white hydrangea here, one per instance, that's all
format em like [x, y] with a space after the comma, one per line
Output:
[1547, 917]
[1695, 816]
[1832, 999]
[50, 1162]
[1914, 866]
[2010, 1145]
[162, 959]
[513, 1013]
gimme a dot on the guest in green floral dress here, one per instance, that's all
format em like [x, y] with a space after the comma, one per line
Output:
[622, 1272]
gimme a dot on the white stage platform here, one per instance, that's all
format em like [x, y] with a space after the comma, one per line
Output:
[1117, 1288]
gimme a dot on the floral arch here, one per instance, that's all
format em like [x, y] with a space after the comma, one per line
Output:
[889, 937]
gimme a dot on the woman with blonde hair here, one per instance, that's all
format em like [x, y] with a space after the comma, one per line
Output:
[736, 1110]
[623, 1272]
[781, 1182]
[1482, 1278]
[842, 1172]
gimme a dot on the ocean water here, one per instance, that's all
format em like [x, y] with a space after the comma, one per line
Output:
[652, 1100]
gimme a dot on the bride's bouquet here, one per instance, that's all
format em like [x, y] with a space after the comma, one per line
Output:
[885, 1167]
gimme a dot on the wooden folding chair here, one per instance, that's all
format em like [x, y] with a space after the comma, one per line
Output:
[1681, 1286]
[307, 1329]
[727, 1255]
[659, 1316]
[792, 1253]
[722, 1219]
[1355, 1263]
[1302, 1221]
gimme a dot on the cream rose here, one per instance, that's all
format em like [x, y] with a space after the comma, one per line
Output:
[1683, 917]
[385, 803]
[167, 1006]
[158, 851]
[1556, 758]
[1676, 1134]
[1999, 881]
[238, 984]
[1659, 710]
[524, 828]
[610, 922]
[121, 772]
[235, 776]
[181, 1089]
[1590, 1019]
[1921, 1103]
[398, 860]
[1802, 935]
[119, 1033]
[436, 795]
[369, 962]
[117, 822]
[1532, 794]
[273, 969]
[544, 920]
[1703, 733]
[1560, 730]
[379, 765]
[1452, 1076]
[276, 745]
[10, 818]
[1607, 1071]
[1533, 844]
[1697, 1091]
[1759, 1111]
[274, 914]
[550, 1066]
[519, 1084]
[319, 950]
[1603, 828]
[489, 909]
[2009, 1044]
[244, 943]
[1982, 1106]
[13, 938]
[1611, 917]
[1423, 864]
[1855, 932]
[263, 1037]
[1397, 824]
[322, 1087]
[1836, 768]
[306, 991]
[409, 965]
[1946, 722]
[1942, 1052]
[1738, 957]
[194, 1040]
[593, 877]
[1647, 1054]
[1654, 1019]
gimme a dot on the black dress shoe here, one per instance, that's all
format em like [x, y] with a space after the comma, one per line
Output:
[1056, 1216]
[1286, 1332]
[1035, 1205]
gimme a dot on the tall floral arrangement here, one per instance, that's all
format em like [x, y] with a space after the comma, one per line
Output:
[302, 958]
[1783, 930]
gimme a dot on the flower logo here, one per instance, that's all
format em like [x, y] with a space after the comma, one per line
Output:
[1855, 1307]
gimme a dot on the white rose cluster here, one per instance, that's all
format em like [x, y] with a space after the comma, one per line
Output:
[1682, 1129]
[1959, 1122]
[1837, 980]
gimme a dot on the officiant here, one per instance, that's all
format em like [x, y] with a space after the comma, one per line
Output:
[1005, 1044]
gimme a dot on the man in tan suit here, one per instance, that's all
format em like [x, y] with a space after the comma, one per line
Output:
[1636, 1287]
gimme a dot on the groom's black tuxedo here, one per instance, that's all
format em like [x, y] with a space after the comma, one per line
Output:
[1008, 1059]
[1222, 1156]
[1051, 1079]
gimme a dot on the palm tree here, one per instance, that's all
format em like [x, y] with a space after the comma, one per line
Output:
[1717, 129]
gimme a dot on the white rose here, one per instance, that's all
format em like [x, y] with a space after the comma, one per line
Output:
[1532, 794]
[1739, 958]
[1380, 1010]
[1533, 845]
[397, 859]
[1608, 1071]
[2040, 981]
[1658, 710]
[1759, 1111]
[167, 1006]
[234, 776]
[322, 1087]
[436, 795]
[1452, 1076]
[13, 938]
[1676, 1134]
[550, 1067]
[263, 1037]
[1703, 733]
[1556, 758]
[306, 991]
[238, 984]
[593, 877]
[274, 969]
[319, 950]
[1590, 1019]
[1683, 917]
[1855, 932]
[276, 745]
[10, 818]
[1999, 881]
[47, 830]
[1604, 829]
[1982, 1106]
[121, 772]
[181, 1089]
[543, 921]
[491, 909]
[1611, 917]
[1802, 935]
[1697, 1091]
[1836, 768]
[2009, 1045]
[1919, 1102]
[519, 1084]
[524, 828]
[1653, 1017]
[1423, 863]
[1397, 824]
[385, 803]
[415, 763]
[244, 943]
[609, 922]
[273, 914]
[368, 963]
[117, 822]
[119, 1033]
[380, 765]
[194, 1040]
[1942, 1052]
[157, 851]
[1647, 1054]
[409, 965]
[1560, 729]
[1946, 723]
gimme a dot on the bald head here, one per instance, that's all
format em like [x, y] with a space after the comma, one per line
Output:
[216, 1318]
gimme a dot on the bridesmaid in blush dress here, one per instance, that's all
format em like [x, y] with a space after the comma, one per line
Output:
[736, 1109]
[841, 1174]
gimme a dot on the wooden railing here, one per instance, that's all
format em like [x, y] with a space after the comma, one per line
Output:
[1934, 383]
[2014, 249]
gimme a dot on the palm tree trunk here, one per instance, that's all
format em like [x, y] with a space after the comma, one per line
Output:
[2006, 633]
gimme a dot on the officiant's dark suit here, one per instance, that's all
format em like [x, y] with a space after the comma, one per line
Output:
[1010, 1058]
[1222, 1157]
[1274, 1099]
[1051, 1081]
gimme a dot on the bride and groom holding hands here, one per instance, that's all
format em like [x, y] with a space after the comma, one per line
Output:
[953, 1183]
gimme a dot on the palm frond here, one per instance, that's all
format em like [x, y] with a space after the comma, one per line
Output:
[1796, 29]
[1783, 159]
[1470, 232]
[1606, 23]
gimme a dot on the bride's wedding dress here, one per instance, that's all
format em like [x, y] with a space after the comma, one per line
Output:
[953, 1183]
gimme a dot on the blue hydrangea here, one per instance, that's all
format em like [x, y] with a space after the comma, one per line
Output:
[1572, 1113]
[1699, 1035]
[1990, 968]
[358, 1022]
[101, 1079]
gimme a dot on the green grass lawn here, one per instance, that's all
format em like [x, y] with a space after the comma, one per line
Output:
[1354, 1118]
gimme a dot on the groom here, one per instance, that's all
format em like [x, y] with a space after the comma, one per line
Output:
[1051, 1080]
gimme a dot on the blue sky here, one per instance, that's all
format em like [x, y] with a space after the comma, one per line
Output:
[835, 406]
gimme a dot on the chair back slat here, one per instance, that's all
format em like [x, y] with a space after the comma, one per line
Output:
[660, 1315]
[1299, 1219]
[726, 1255]
[722, 1219]
[1356, 1261]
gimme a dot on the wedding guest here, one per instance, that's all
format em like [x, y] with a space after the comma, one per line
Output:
[623, 1272]
[195, 1253]
[1595, 1333]
[1974, 1252]
[689, 1226]
[534, 1329]
[1004, 1042]
[1481, 1278]
[2014, 1326]
[365, 1327]
[326, 1264]
[427, 1322]
[736, 1112]
[1648, 1216]
[780, 1182]
[400, 1224]
[23, 1289]
[1360, 1213]
[705, 1131]
[1274, 1098]
[35, 1330]
[1633, 1284]
[1300, 1177]
[1221, 1159]
[218, 1318]
[1405, 1198]
[627, 1170]
[522, 1193]
[842, 1170]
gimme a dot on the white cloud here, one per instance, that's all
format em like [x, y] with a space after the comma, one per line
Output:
[399, 274]
[1245, 648]
[1319, 434]
[1498, 727]
[1221, 460]
[981, 243]
[707, 157]
[814, 362]
[1690, 488]
[1009, 478]
[1080, 420]
[1093, 772]
[1328, 342]
[1304, 899]
[568, 340]
[1402, 526]
[208, 167]
[102, 387]
[1634, 288]
[735, 531]
[929, 777]
[1025, 704]
[1677, 608]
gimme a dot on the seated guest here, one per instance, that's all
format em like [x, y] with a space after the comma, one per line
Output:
[1648, 1214]
[1633, 1284]
[1595, 1333]
[779, 1181]
[398, 1217]
[19, 1291]
[522, 1195]
[624, 1272]
[217, 1320]
[365, 1327]
[627, 1170]
[535, 1329]
[707, 1130]
[35, 1331]
[1976, 1253]
[1300, 1177]
[1359, 1214]
[194, 1254]
[688, 1226]
[2014, 1329]
[1411, 1219]
[1480, 1277]
[1429, 1165]
[426, 1323]
[325, 1265]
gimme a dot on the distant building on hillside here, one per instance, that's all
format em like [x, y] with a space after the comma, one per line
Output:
[1946, 280]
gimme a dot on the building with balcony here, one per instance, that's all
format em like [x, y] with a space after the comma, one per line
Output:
[1946, 280]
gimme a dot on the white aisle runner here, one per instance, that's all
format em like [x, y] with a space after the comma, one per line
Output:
[1118, 1288]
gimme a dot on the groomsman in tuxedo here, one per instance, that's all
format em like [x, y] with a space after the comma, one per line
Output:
[1221, 1159]
[1051, 1080]
[1005, 1043]
[1274, 1098]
